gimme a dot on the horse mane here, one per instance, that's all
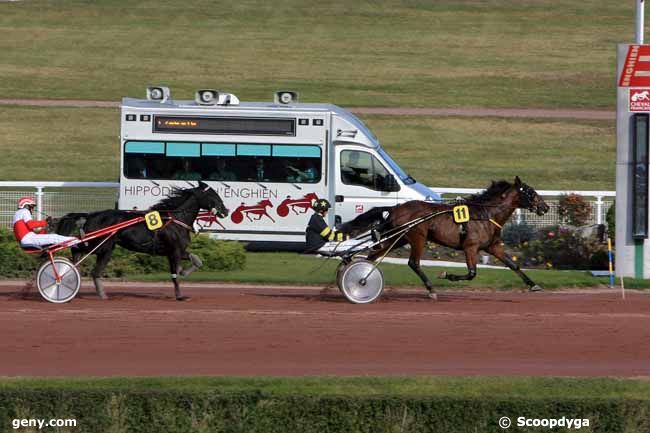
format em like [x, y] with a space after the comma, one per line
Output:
[495, 189]
[175, 199]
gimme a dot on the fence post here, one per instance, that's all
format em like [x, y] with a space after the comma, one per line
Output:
[599, 209]
[518, 216]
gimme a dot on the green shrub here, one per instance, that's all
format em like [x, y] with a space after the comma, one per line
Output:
[14, 263]
[515, 235]
[564, 248]
[216, 256]
[219, 255]
[184, 411]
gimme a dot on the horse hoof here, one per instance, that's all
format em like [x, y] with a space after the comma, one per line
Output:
[442, 275]
[182, 298]
[433, 295]
[535, 288]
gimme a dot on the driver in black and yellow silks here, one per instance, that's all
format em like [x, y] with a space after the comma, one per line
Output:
[325, 240]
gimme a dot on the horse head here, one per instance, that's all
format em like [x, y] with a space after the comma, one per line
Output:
[209, 199]
[529, 199]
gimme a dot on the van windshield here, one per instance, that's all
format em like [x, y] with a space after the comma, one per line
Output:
[406, 178]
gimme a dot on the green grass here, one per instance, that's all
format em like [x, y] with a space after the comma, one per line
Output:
[473, 387]
[59, 144]
[271, 268]
[83, 144]
[461, 152]
[490, 53]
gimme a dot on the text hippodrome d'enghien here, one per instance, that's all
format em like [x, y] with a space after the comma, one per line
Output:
[226, 193]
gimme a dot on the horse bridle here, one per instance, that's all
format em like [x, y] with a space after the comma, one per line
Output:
[527, 197]
[214, 210]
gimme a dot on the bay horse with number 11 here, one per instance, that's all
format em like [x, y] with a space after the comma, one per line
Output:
[489, 211]
[178, 212]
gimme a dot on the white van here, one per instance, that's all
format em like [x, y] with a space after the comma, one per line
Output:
[267, 160]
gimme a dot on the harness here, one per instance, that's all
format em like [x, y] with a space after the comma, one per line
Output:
[154, 222]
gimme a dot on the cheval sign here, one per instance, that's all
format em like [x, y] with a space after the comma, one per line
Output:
[640, 99]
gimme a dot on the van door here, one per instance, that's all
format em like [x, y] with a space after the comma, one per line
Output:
[361, 183]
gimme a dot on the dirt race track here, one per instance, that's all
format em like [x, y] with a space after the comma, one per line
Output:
[246, 330]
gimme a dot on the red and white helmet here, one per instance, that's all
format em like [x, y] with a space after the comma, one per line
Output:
[25, 201]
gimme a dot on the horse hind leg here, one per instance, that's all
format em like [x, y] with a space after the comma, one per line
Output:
[470, 259]
[196, 261]
[415, 265]
[102, 260]
[417, 248]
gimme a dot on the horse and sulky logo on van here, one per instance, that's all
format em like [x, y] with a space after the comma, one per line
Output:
[261, 210]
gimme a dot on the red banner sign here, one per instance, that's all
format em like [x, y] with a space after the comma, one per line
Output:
[636, 71]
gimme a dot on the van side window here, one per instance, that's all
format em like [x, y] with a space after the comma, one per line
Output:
[362, 169]
[235, 162]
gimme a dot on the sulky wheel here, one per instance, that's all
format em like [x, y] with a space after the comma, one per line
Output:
[58, 291]
[361, 282]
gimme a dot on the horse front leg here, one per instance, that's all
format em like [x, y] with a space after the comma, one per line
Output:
[196, 264]
[174, 267]
[471, 253]
[497, 250]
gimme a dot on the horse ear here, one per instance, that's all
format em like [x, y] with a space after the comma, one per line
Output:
[517, 181]
[204, 186]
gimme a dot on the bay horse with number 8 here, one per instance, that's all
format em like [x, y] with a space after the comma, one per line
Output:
[488, 213]
[172, 237]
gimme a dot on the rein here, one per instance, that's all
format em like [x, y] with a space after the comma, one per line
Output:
[180, 223]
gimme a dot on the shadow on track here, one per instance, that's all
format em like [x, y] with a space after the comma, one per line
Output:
[331, 294]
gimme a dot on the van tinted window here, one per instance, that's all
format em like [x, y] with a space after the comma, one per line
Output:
[235, 162]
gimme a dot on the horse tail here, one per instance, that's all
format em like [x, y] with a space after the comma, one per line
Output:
[365, 221]
[70, 224]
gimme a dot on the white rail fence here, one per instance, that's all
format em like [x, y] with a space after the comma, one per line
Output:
[58, 198]
[600, 201]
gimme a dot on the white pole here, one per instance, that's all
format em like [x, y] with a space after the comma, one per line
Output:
[639, 21]
[39, 201]
[599, 209]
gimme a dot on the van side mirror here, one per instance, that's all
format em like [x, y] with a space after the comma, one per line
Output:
[390, 184]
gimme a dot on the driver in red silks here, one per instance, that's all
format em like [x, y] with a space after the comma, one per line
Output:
[24, 227]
